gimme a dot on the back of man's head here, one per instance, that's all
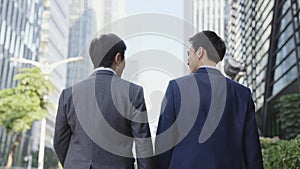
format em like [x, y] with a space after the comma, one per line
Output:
[211, 42]
[104, 49]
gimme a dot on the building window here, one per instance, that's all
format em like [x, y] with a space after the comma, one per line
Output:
[5, 68]
[3, 11]
[285, 80]
[26, 33]
[17, 48]
[288, 32]
[14, 15]
[9, 12]
[285, 7]
[2, 32]
[285, 50]
[1, 5]
[18, 21]
[21, 54]
[285, 65]
[7, 38]
[12, 42]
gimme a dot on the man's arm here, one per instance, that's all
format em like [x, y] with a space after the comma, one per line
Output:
[141, 133]
[167, 118]
[252, 150]
[62, 132]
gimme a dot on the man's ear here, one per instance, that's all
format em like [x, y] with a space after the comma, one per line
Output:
[118, 58]
[200, 52]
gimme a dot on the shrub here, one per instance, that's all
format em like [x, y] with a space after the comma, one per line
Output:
[281, 154]
[288, 115]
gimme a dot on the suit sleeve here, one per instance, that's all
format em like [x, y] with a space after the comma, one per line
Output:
[141, 133]
[252, 150]
[62, 132]
[163, 150]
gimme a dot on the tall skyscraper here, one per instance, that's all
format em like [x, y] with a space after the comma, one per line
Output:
[19, 36]
[108, 11]
[54, 48]
[76, 9]
[82, 27]
[264, 36]
[84, 23]
[20, 30]
[210, 15]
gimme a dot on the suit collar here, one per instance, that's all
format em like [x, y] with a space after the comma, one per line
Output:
[103, 72]
[105, 68]
[208, 70]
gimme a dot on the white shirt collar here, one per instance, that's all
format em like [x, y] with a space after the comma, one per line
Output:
[105, 68]
[207, 66]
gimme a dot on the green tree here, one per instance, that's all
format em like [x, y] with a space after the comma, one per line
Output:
[22, 105]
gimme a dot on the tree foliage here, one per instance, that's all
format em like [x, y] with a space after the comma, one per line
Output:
[25, 103]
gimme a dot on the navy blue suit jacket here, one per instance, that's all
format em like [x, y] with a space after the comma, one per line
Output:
[207, 121]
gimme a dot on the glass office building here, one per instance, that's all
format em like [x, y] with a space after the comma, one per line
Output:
[82, 27]
[210, 15]
[53, 48]
[20, 29]
[35, 30]
[20, 22]
[264, 36]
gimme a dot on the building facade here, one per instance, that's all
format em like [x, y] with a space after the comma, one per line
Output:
[20, 30]
[82, 27]
[53, 48]
[264, 37]
[210, 15]
[19, 36]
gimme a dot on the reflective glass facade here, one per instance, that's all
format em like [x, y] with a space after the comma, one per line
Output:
[19, 35]
[83, 26]
[20, 30]
[210, 15]
[54, 48]
[264, 36]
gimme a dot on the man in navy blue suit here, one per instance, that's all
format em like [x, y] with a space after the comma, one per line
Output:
[207, 121]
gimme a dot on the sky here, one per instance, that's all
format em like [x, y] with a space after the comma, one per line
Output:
[132, 7]
[154, 42]
[169, 7]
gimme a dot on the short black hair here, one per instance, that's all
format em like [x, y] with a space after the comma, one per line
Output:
[210, 41]
[104, 49]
